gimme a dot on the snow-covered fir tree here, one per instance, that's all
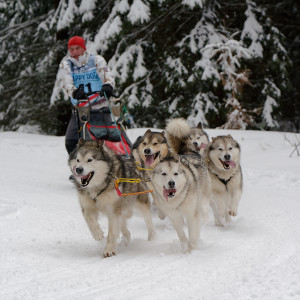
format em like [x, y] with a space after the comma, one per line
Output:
[223, 63]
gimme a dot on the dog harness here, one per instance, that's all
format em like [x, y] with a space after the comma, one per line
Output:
[131, 180]
[140, 168]
[225, 182]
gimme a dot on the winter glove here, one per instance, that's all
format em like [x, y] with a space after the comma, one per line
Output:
[79, 94]
[107, 90]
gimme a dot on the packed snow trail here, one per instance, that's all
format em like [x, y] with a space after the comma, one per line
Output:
[47, 252]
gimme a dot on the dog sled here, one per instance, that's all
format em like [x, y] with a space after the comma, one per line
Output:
[101, 124]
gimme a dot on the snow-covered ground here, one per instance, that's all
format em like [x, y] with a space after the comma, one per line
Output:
[47, 252]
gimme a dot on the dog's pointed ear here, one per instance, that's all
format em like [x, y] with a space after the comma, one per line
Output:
[199, 125]
[161, 156]
[100, 144]
[213, 138]
[176, 157]
[163, 133]
[230, 137]
[80, 142]
[148, 131]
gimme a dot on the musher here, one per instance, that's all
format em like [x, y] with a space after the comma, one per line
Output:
[83, 73]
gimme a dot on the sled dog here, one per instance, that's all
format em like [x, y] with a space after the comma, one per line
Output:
[182, 188]
[183, 139]
[147, 151]
[95, 168]
[222, 157]
[148, 148]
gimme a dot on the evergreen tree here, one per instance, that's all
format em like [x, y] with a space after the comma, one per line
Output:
[26, 62]
[169, 59]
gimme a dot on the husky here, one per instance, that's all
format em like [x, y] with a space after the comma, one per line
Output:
[147, 151]
[182, 188]
[222, 157]
[95, 168]
[183, 139]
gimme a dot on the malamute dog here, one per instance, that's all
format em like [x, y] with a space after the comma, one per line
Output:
[222, 157]
[182, 188]
[95, 168]
[147, 152]
[148, 148]
[183, 139]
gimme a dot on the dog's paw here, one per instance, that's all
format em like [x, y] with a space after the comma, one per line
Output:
[232, 213]
[161, 215]
[151, 234]
[109, 252]
[98, 235]
[189, 250]
[219, 224]
[124, 242]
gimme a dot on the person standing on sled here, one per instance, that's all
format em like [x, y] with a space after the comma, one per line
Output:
[83, 73]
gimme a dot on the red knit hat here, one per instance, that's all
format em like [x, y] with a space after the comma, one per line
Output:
[76, 41]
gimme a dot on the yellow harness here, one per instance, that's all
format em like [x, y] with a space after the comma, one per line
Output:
[140, 168]
[131, 180]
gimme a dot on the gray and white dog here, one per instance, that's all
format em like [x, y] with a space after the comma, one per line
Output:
[95, 168]
[182, 188]
[183, 139]
[222, 157]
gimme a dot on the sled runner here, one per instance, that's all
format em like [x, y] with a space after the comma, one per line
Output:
[100, 124]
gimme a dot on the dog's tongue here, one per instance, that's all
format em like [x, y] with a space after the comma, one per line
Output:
[149, 160]
[231, 163]
[169, 193]
[84, 176]
[165, 193]
[202, 146]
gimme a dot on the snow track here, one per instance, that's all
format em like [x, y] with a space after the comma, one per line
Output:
[47, 252]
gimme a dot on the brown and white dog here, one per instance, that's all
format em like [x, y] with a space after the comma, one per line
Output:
[147, 151]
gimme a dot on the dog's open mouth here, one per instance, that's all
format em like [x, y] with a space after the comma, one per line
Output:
[202, 146]
[85, 180]
[169, 193]
[150, 159]
[227, 164]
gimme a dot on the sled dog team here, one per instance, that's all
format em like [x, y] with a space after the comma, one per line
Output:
[184, 171]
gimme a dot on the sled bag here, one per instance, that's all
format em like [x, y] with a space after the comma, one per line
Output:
[101, 126]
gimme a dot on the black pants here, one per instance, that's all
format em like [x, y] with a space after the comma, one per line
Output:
[101, 116]
[72, 135]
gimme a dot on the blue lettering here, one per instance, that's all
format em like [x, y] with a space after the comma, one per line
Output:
[77, 78]
[92, 75]
[87, 76]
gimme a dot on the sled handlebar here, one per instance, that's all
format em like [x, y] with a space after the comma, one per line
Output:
[116, 98]
[99, 92]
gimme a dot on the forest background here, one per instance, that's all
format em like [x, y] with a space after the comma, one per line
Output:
[228, 64]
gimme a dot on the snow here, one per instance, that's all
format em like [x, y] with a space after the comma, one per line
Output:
[201, 106]
[86, 8]
[122, 64]
[64, 15]
[139, 12]
[269, 106]
[253, 30]
[47, 252]
[193, 3]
